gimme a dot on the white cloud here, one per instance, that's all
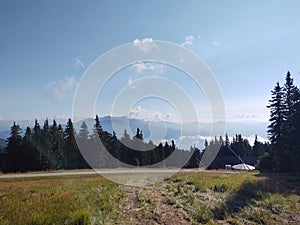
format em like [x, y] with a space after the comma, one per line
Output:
[143, 66]
[150, 115]
[216, 43]
[140, 67]
[130, 80]
[60, 119]
[79, 63]
[245, 117]
[145, 45]
[131, 83]
[58, 90]
[189, 40]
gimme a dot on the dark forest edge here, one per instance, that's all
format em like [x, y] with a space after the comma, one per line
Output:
[52, 148]
[282, 155]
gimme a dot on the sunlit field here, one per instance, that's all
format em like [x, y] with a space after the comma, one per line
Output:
[63, 200]
[186, 198]
[235, 198]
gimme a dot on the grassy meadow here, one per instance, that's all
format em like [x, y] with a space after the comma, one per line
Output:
[58, 200]
[235, 198]
[186, 198]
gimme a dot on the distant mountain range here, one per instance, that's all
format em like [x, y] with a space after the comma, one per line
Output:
[157, 131]
[184, 135]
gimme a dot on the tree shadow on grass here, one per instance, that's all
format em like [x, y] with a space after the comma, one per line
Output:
[280, 183]
[252, 190]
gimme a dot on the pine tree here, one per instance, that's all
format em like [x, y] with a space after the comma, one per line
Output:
[83, 143]
[276, 129]
[71, 151]
[295, 135]
[258, 148]
[162, 154]
[30, 152]
[290, 101]
[125, 139]
[173, 145]
[115, 149]
[98, 143]
[126, 143]
[296, 140]
[37, 135]
[57, 142]
[98, 128]
[14, 147]
[139, 134]
[227, 142]
[47, 146]
[84, 132]
[225, 151]
[37, 142]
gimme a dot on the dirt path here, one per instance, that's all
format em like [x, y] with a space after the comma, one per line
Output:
[146, 205]
[170, 214]
[131, 205]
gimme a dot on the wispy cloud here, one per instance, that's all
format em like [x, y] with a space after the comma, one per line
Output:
[62, 119]
[79, 63]
[58, 90]
[130, 80]
[131, 83]
[145, 45]
[189, 40]
[144, 66]
[244, 116]
[151, 115]
[216, 43]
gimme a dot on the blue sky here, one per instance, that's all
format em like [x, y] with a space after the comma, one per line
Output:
[45, 47]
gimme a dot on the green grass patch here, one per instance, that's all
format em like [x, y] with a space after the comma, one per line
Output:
[70, 201]
[242, 198]
[203, 198]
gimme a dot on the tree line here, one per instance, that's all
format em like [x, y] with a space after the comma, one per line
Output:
[284, 129]
[52, 147]
[230, 152]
